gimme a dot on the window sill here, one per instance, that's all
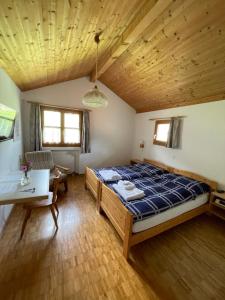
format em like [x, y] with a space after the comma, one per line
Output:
[62, 148]
[159, 143]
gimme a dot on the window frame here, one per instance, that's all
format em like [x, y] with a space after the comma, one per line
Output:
[157, 123]
[62, 111]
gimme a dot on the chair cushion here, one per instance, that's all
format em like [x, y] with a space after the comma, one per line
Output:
[40, 160]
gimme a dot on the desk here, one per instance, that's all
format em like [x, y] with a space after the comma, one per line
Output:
[39, 179]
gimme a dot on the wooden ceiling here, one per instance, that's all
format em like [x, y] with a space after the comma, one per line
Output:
[154, 54]
[48, 41]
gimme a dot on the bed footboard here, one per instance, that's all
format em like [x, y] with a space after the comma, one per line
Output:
[118, 214]
[92, 182]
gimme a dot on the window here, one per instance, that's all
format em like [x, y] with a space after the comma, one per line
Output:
[161, 132]
[7, 121]
[60, 127]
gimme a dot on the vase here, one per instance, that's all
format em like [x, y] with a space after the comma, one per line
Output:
[25, 180]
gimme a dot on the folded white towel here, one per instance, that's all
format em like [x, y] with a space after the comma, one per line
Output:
[130, 187]
[110, 175]
[126, 184]
[129, 195]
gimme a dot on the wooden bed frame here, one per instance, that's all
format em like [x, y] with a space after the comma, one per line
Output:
[122, 219]
[158, 164]
[94, 184]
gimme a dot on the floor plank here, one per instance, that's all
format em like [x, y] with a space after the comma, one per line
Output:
[83, 259]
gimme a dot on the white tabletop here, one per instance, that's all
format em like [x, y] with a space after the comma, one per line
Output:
[12, 191]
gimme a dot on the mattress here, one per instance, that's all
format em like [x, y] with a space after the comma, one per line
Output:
[170, 213]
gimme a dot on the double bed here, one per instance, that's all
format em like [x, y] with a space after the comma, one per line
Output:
[93, 178]
[171, 197]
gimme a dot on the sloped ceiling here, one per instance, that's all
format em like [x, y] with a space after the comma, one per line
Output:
[154, 54]
[49, 41]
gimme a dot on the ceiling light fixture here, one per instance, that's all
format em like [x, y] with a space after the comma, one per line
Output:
[95, 98]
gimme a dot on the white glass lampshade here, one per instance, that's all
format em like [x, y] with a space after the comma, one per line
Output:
[95, 98]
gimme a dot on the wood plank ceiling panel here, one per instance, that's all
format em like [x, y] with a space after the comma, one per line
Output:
[48, 41]
[178, 60]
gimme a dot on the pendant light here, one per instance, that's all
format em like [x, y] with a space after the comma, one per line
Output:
[95, 98]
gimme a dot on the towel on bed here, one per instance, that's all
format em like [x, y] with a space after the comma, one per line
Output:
[129, 195]
[126, 184]
[110, 175]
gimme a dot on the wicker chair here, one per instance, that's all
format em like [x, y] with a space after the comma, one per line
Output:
[44, 160]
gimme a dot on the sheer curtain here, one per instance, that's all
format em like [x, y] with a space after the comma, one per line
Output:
[174, 133]
[35, 127]
[85, 138]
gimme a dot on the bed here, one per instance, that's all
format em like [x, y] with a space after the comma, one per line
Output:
[134, 229]
[93, 179]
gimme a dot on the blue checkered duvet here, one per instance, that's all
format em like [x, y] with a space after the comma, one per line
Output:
[161, 193]
[131, 172]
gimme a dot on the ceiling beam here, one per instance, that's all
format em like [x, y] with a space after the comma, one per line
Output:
[145, 16]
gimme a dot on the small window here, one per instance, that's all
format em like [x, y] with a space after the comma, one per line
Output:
[60, 127]
[161, 132]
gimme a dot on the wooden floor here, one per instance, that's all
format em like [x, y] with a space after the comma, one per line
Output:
[83, 260]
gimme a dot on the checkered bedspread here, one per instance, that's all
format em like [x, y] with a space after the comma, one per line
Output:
[132, 171]
[161, 193]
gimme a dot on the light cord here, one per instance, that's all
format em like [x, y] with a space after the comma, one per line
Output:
[96, 64]
[97, 41]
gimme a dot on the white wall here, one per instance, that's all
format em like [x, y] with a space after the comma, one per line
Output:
[9, 150]
[111, 128]
[203, 139]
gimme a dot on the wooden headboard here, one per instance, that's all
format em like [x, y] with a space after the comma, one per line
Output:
[211, 183]
[158, 164]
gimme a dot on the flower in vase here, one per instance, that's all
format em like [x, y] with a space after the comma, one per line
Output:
[24, 168]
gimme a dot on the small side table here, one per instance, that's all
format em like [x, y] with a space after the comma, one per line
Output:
[135, 161]
[216, 208]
